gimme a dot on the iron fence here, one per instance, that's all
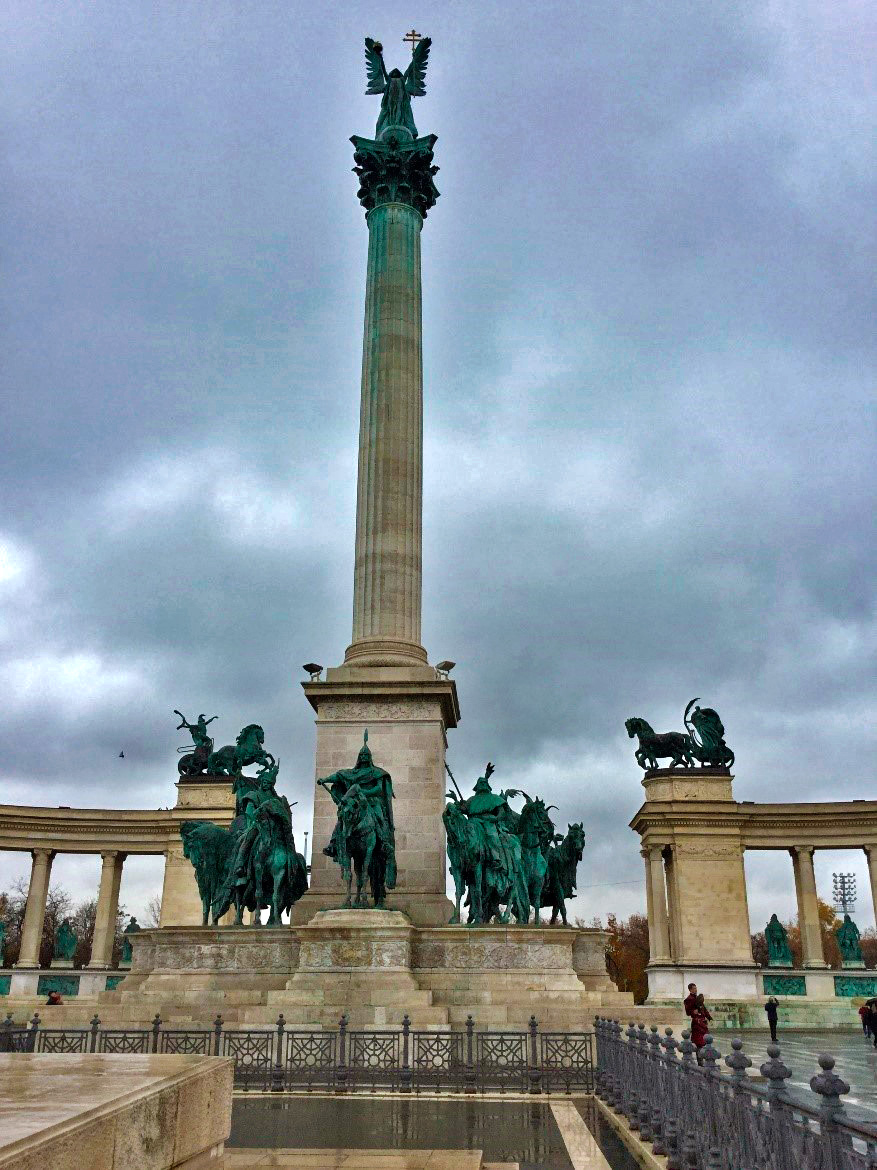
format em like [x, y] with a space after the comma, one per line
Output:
[406, 1060]
[702, 1118]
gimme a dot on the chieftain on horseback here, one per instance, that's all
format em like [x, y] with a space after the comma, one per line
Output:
[253, 865]
[506, 862]
[364, 839]
[702, 742]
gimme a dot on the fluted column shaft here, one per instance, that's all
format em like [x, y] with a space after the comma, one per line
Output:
[107, 909]
[387, 573]
[35, 908]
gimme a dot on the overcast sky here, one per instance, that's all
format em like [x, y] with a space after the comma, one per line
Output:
[649, 420]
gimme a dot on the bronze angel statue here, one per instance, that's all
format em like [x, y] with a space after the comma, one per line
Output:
[398, 88]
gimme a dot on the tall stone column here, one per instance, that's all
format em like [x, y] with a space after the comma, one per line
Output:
[808, 906]
[660, 948]
[107, 909]
[35, 908]
[385, 684]
[387, 573]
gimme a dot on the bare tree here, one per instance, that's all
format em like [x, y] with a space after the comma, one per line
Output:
[153, 911]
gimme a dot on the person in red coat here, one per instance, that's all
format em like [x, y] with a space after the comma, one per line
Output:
[696, 1010]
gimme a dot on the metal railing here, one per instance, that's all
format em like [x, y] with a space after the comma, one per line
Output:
[686, 1107]
[344, 1060]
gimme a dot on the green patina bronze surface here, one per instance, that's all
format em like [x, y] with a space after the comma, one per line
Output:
[65, 941]
[396, 166]
[132, 928]
[396, 87]
[363, 841]
[113, 982]
[702, 742]
[194, 762]
[563, 862]
[254, 864]
[784, 985]
[506, 862]
[847, 935]
[65, 984]
[849, 986]
[5, 984]
[779, 953]
[229, 760]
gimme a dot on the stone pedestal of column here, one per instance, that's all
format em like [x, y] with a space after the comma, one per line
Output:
[407, 713]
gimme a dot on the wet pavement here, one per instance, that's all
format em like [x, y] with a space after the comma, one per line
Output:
[855, 1061]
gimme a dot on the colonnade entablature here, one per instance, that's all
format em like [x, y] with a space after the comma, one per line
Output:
[693, 839]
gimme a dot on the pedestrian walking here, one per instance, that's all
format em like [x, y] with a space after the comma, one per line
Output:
[772, 1008]
[864, 1013]
[872, 1019]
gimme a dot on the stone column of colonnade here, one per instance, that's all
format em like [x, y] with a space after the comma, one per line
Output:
[656, 900]
[871, 855]
[812, 954]
[35, 908]
[107, 909]
[387, 584]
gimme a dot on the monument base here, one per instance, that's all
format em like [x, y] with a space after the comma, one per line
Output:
[808, 997]
[374, 966]
[420, 909]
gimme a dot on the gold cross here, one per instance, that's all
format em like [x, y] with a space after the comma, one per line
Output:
[412, 38]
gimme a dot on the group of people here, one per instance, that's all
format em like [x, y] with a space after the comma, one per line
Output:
[868, 1016]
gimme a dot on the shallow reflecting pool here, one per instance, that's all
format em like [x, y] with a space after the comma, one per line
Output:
[507, 1131]
[522, 1131]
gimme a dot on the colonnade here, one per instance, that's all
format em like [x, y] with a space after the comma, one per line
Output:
[694, 837]
[665, 936]
[107, 909]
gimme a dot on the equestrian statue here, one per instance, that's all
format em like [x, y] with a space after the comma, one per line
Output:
[363, 841]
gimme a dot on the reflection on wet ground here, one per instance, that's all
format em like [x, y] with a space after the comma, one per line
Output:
[855, 1060]
[507, 1131]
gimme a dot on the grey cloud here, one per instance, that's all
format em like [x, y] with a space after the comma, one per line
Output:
[648, 306]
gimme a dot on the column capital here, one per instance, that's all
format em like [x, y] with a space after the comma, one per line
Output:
[802, 849]
[396, 170]
[43, 853]
[112, 855]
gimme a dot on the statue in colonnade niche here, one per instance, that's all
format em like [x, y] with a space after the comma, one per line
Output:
[363, 841]
[65, 941]
[702, 742]
[847, 935]
[2, 940]
[133, 927]
[779, 953]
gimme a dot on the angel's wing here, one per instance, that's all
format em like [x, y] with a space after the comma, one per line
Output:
[374, 64]
[415, 74]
